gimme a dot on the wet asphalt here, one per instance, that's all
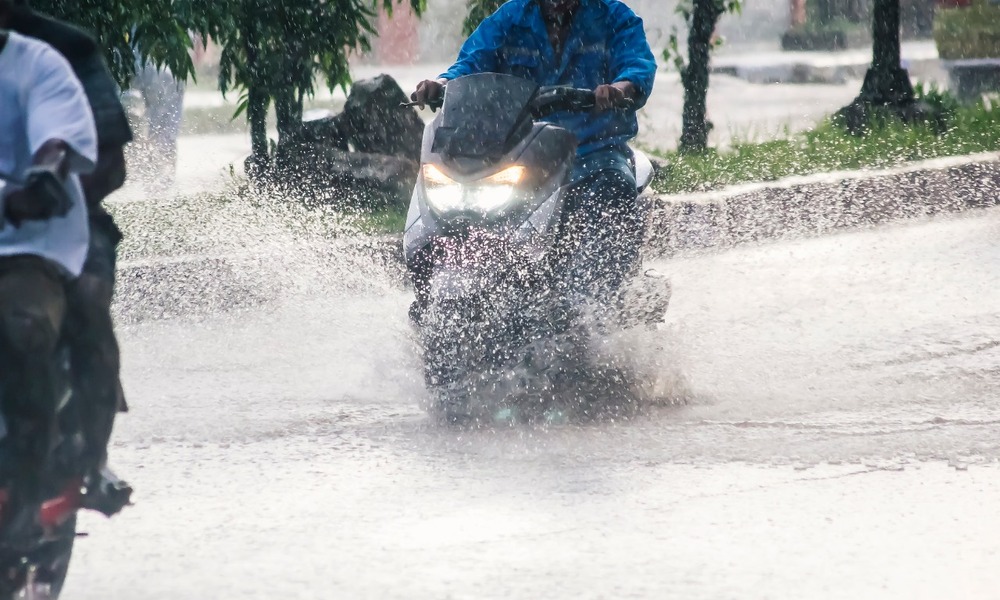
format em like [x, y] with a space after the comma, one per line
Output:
[821, 421]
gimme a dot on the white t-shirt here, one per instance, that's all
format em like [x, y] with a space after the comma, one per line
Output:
[41, 99]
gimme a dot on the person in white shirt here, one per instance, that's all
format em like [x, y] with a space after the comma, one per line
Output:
[89, 329]
[47, 139]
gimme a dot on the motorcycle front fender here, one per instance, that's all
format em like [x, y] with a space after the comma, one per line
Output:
[449, 283]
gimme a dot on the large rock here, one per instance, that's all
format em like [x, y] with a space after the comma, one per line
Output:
[374, 122]
[328, 131]
[348, 179]
[384, 136]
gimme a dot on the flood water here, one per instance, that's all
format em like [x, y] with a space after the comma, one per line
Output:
[834, 433]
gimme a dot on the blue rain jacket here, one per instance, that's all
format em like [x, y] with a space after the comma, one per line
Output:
[606, 44]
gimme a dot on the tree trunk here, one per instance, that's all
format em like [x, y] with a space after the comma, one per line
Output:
[887, 89]
[694, 131]
[288, 110]
[823, 11]
[257, 99]
[886, 83]
[257, 115]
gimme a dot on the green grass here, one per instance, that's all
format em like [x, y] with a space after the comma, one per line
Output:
[387, 220]
[828, 147]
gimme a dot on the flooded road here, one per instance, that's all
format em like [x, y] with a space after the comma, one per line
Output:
[839, 438]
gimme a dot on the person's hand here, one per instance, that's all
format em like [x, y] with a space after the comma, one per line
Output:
[610, 96]
[43, 196]
[427, 91]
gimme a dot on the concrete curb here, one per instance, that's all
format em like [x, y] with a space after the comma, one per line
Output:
[814, 205]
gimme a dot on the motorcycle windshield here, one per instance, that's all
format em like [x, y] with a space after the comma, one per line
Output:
[482, 114]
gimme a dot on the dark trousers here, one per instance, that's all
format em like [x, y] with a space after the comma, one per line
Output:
[32, 309]
[93, 347]
[603, 226]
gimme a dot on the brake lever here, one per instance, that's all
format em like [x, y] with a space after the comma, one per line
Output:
[434, 106]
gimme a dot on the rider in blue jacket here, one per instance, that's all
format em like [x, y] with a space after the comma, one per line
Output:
[593, 44]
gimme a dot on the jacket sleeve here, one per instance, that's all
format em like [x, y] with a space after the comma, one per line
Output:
[631, 58]
[481, 52]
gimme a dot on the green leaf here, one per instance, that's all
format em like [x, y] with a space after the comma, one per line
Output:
[241, 106]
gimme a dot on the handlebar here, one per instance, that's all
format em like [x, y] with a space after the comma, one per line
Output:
[558, 98]
[548, 100]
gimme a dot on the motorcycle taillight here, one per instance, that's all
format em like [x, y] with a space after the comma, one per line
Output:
[55, 511]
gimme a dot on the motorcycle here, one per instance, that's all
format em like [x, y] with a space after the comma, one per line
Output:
[36, 540]
[484, 238]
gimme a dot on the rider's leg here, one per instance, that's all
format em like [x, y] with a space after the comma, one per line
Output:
[32, 308]
[93, 347]
[603, 228]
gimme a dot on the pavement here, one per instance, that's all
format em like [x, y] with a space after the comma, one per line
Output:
[918, 56]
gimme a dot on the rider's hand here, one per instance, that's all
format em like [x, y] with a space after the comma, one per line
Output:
[610, 96]
[42, 197]
[427, 91]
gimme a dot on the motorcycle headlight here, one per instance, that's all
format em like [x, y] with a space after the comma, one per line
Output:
[443, 192]
[488, 195]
